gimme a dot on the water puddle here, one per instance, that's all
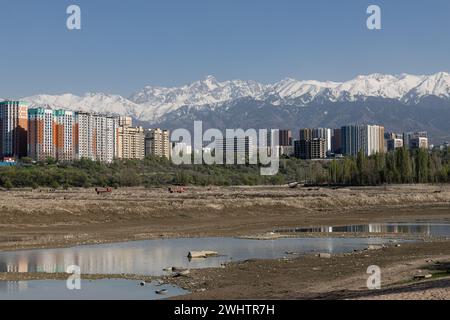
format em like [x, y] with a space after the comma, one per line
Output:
[152, 256]
[90, 290]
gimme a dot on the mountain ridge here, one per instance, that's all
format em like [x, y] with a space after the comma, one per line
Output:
[153, 102]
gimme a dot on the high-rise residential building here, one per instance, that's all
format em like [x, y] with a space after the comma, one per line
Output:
[323, 133]
[96, 137]
[100, 139]
[336, 142]
[157, 143]
[306, 134]
[236, 150]
[310, 149]
[285, 137]
[13, 129]
[415, 140]
[393, 141]
[112, 125]
[284, 146]
[393, 144]
[366, 138]
[84, 136]
[375, 140]
[64, 135]
[41, 134]
[418, 143]
[125, 121]
[51, 134]
[352, 138]
[318, 133]
[130, 143]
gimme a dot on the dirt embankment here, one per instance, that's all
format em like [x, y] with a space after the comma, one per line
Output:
[41, 218]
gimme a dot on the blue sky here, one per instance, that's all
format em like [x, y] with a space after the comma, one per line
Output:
[124, 45]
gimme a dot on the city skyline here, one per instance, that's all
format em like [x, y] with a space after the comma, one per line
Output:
[42, 133]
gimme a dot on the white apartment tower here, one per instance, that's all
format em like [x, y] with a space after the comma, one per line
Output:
[366, 138]
[96, 137]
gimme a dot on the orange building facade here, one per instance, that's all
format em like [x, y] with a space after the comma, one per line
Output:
[51, 134]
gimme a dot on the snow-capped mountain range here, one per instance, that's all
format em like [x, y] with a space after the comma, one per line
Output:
[152, 102]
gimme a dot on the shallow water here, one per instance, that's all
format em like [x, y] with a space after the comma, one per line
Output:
[432, 229]
[152, 256]
[90, 290]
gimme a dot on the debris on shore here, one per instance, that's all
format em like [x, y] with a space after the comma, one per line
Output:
[423, 276]
[162, 291]
[202, 254]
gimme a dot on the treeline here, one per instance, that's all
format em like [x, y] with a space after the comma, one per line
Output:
[150, 172]
[401, 166]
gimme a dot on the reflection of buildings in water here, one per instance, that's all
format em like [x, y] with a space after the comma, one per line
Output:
[94, 260]
[329, 245]
[384, 228]
[136, 258]
[371, 228]
[13, 286]
[23, 265]
[401, 228]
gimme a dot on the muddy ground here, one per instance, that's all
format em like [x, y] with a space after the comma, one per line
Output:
[40, 218]
[340, 277]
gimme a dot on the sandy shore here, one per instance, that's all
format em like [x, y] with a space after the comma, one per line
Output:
[37, 219]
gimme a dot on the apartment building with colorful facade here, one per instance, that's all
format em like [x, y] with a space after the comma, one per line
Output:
[41, 134]
[67, 136]
[65, 133]
[13, 129]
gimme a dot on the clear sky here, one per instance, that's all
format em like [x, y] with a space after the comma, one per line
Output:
[124, 45]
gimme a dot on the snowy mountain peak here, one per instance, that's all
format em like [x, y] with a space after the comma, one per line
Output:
[435, 85]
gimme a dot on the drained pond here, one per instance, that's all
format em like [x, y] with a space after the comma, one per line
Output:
[153, 257]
